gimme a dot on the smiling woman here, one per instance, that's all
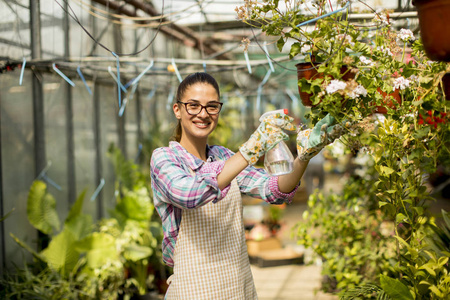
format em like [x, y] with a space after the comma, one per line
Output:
[199, 116]
[197, 193]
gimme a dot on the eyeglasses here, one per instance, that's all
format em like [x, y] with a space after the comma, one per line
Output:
[194, 108]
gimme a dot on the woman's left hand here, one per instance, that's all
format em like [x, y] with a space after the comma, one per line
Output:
[311, 141]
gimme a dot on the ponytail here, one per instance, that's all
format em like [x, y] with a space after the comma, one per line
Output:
[177, 132]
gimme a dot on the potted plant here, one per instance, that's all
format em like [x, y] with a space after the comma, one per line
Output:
[354, 72]
[434, 26]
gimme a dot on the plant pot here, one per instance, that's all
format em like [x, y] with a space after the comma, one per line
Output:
[308, 70]
[446, 85]
[434, 27]
[388, 100]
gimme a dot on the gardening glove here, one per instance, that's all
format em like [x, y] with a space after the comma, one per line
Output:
[312, 141]
[269, 133]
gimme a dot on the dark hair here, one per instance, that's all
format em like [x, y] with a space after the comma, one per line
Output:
[191, 79]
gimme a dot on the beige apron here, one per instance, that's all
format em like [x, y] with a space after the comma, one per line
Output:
[210, 257]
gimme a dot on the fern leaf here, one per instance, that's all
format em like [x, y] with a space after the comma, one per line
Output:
[41, 208]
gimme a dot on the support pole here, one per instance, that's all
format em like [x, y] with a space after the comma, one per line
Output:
[97, 128]
[2, 211]
[40, 160]
[98, 147]
[71, 176]
[120, 119]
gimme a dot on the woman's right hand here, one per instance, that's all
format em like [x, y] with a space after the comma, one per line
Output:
[269, 133]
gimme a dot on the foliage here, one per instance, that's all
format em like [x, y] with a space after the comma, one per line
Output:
[41, 209]
[349, 233]
[117, 257]
[364, 69]
[45, 284]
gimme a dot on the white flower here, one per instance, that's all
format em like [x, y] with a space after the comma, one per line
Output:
[335, 85]
[401, 83]
[347, 38]
[414, 78]
[305, 49]
[366, 61]
[385, 50]
[406, 35]
[381, 17]
[358, 91]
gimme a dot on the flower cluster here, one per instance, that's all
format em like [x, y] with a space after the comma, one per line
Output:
[381, 17]
[406, 35]
[433, 118]
[401, 83]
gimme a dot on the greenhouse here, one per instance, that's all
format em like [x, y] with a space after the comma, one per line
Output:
[225, 149]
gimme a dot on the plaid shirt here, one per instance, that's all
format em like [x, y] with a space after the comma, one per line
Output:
[182, 181]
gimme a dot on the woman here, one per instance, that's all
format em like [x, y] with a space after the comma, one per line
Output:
[197, 193]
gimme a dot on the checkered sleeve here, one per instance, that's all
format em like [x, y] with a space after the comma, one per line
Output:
[257, 183]
[179, 187]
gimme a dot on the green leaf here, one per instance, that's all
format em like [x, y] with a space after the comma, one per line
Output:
[135, 252]
[280, 44]
[436, 291]
[390, 209]
[295, 49]
[402, 241]
[136, 205]
[400, 218]
[80, 226]
[41, 208]
[446, 218]
[395, 289]
[77, 207]
[100, 248]
[442, 261]
[419, 210]
[386, 170]
[60, 253]
[425, 282]
[428, 269]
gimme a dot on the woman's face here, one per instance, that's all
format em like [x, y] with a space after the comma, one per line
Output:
[197, 126]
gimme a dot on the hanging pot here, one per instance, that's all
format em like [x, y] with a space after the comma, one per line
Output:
[388, 100]
[446, 85]
[308, 70]
[435, 27]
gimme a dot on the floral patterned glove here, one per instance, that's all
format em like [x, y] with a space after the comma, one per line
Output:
[268, 134]
[312, 141]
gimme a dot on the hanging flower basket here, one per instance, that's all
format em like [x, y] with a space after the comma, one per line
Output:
[435, 27]
[308, 70]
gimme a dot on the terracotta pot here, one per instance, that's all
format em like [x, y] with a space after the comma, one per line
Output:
[435, 27]
[446, 84]
[308, 70]
[388, 99]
